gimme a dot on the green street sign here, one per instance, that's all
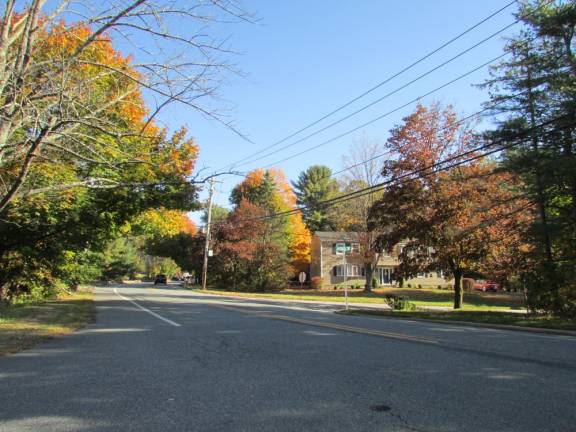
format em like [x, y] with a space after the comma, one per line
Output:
[343, 248]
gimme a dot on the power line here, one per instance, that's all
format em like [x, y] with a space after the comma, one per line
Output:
[458, 122]
[403, 106]
[386, 96]
[421, 172]
[380, 186]
[462, 120]
[380, 117]
[380, 84]
[309, 149]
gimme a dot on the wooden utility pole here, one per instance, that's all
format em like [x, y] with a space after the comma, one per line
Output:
[207, 244]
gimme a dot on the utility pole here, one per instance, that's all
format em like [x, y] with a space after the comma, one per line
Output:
[345, 278]
[207, 244]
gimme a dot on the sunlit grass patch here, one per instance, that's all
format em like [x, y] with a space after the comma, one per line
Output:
[419, 297]
[22, 326]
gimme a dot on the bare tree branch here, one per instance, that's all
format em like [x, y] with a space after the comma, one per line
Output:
[62, 102]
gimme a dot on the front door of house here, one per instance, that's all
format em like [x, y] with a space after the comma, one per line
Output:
[384, 275]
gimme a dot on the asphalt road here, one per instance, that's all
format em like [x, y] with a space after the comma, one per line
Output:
[170, 360]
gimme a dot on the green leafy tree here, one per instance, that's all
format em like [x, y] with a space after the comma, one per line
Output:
[536, 91]
[58, 202]
[121, 260]
[219, 214]
[185, 249]
[314, 186]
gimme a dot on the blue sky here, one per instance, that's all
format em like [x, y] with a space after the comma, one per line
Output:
[305, 58]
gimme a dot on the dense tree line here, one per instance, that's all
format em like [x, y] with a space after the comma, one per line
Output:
[537, 85]
[83, 164]
[254, 251]
[509, 215]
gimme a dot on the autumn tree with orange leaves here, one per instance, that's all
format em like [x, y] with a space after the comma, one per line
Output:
[246, 256]
[270, 191]
[81, 155]
[451, 220]
[67, 96]
[263, 245]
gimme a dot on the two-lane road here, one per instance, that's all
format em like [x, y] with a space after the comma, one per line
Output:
[170, 360]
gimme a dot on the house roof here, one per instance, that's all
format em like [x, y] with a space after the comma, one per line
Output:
[337, 235]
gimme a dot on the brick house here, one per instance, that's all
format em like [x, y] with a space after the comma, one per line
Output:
[327, 262]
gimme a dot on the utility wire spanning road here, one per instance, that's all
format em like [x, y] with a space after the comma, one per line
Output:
[170, 360]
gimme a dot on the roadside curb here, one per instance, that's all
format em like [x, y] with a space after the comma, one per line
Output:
[366, 306]
[468, 323]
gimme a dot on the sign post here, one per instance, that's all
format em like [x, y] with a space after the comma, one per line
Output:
[302, 278]
[344, 248]
[345, 286]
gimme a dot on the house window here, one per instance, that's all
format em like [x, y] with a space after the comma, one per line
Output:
[352, 270]
[355, 248]
[338, 247]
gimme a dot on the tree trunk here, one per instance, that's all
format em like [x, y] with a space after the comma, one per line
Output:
[541, 197]
[369, 275]
[458, 292]
[549, 268]
[572, 179]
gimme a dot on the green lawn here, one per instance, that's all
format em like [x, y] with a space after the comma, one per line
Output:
[484, 317]
[23, 326]
[420, 297]
[487, 308]
[472, 300]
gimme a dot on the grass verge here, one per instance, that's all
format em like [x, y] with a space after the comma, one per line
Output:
[23, 326]
[483, 317]
[420, 297]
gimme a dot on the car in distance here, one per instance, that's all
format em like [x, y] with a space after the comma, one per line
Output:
[486, 285]
[160, 279]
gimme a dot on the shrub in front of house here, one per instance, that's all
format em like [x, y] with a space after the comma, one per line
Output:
[399, 303]
[403, 304]
[375, 283]
[317, 283]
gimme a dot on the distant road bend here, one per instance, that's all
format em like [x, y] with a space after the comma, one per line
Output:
[167, 359]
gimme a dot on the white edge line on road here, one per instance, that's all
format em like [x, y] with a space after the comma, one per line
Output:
[160, 317]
